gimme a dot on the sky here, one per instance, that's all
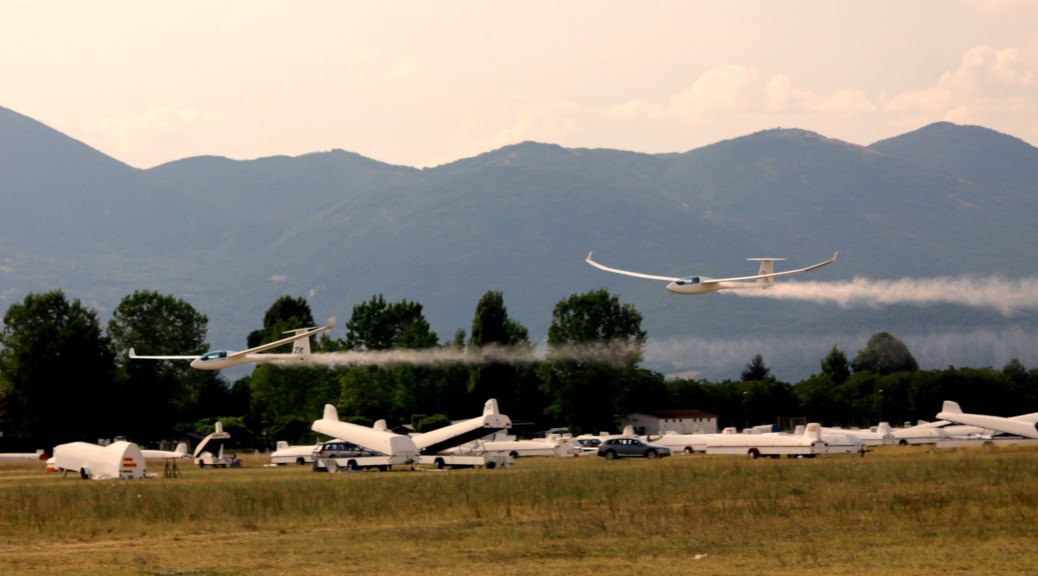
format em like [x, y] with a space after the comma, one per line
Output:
[420, 83]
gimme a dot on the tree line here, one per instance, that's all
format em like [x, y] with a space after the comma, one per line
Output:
[64, 378]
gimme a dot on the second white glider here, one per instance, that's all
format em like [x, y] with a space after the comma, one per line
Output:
[702, 284]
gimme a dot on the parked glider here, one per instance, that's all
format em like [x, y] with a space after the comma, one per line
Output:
[218, 359]
[1025, 425]
[180, 452]
[702, 284]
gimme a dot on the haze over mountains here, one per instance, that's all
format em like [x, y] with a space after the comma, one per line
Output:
[953, 204]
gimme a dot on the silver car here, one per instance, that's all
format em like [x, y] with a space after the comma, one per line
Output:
[629, 447]
[338, 449]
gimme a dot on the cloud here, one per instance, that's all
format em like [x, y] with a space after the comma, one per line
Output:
[154, 128]
[735, 89]
[984, 74]
[725, 88]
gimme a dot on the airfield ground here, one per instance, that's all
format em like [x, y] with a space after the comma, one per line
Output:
[903, 510]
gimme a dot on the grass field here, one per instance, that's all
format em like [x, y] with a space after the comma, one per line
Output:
[903, 510]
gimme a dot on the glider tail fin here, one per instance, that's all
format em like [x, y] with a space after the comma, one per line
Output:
[300, 347]
[951, 407]
[767, 266]
[813, 431]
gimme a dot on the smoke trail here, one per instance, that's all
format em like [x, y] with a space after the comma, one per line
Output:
[613, 353]
[791, 357]
[1004, 295]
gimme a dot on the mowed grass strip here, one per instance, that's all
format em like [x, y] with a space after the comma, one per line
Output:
[908, 509]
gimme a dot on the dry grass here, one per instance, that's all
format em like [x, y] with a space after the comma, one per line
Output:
[898, 509]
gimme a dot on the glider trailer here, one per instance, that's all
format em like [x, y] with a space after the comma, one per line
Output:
[421, 449]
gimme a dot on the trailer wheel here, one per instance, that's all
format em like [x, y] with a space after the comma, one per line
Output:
[754, 454]
[902, 442]
[688, 449]
[352, 465]
[491, 465]
[513, 454]
[300, 461]
[439, 464]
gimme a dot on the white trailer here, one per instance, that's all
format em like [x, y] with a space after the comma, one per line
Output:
[209, 451]
[488, 460]
[687, 443]
[11, 456]
[773, 445]
[922, 433]
[880, 435]
[119, 460]
[286, 454]
[355, 463]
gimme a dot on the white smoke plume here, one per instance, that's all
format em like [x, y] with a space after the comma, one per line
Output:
[610, 353]
[1004, 295]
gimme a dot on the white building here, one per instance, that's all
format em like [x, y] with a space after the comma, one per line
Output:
[679, 421]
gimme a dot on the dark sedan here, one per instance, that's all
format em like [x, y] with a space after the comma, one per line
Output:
[630, 448]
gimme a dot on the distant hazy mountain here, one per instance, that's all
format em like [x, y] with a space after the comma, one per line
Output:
[231, 236]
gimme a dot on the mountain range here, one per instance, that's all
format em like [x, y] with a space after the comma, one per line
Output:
[229, 236]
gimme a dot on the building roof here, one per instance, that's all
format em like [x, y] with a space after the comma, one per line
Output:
[679, 414]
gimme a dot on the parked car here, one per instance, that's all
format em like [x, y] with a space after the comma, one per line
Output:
[627, 447]
[338, 449]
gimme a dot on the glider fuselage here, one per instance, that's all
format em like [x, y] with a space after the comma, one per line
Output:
[219, 359]
[702, 285]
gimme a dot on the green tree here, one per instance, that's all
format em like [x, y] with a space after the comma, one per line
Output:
[594, 346]
[818, 399]
[282, 399]
[376, 325]
[285, 314]
[395, 392]
[836, 366]
[491, 327]
[153, 323]
[768, 400]
[756, 370]
[56, 374]
[884, 354]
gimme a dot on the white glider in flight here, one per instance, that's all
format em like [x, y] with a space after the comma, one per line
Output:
[701, 284]
[218, 359]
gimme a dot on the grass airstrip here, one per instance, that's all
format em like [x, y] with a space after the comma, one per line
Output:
[899, 510]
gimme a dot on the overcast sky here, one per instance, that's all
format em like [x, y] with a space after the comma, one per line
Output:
[425, 83]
